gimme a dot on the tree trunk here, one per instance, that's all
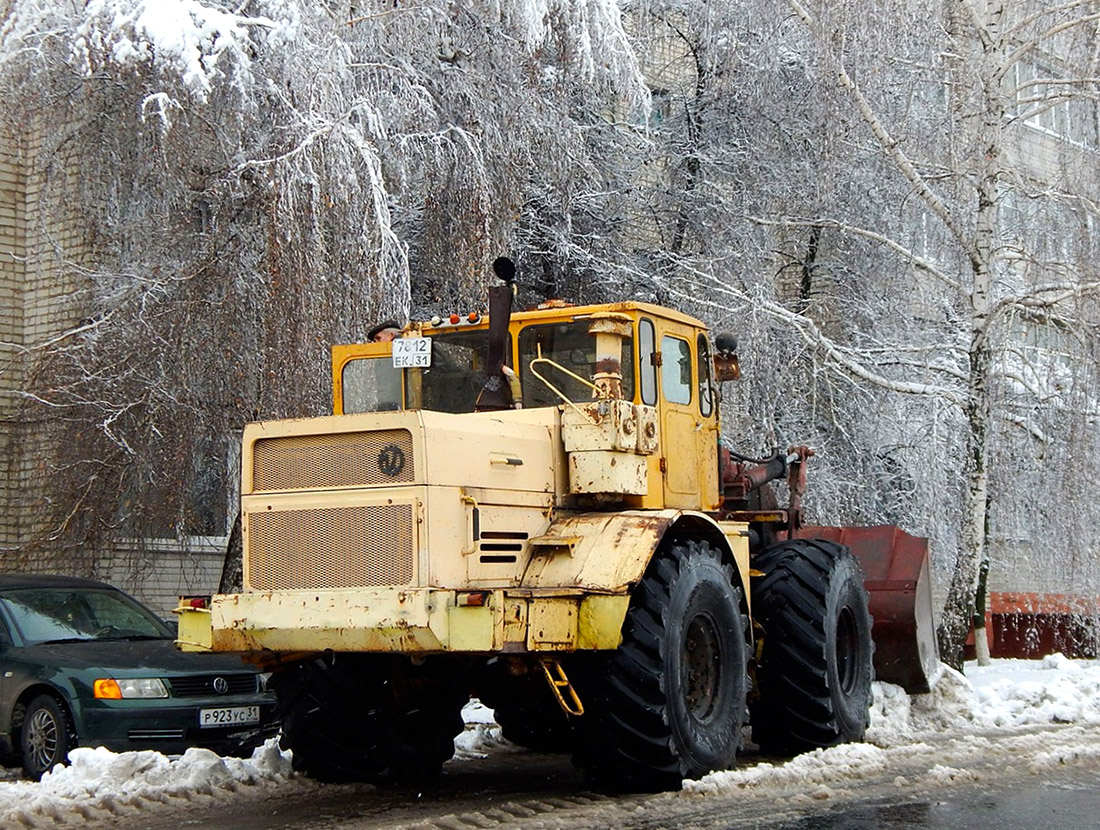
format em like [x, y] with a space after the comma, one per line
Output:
[959, 610]
[981, 635]
[986, 57]
[233, 567]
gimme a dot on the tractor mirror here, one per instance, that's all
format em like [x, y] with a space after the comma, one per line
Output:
[726, 364]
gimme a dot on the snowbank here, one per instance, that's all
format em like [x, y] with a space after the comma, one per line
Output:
[1008, 694]
[100, 781]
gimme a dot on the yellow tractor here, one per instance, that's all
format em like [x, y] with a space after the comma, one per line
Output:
[537, 508]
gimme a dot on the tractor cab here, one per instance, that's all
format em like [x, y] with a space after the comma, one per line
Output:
[568, 357]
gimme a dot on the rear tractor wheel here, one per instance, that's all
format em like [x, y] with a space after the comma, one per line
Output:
[815, 669]
[669, 703]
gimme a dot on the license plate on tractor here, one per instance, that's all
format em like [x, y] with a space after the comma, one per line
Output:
[229, 716]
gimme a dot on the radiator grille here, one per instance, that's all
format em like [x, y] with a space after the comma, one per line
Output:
[204, 685]
[352, 459]
[338, 547]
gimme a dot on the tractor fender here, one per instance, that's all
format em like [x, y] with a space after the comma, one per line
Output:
[608, 553]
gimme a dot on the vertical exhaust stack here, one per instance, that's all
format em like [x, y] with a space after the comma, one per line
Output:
[610, 331]
[496, 393]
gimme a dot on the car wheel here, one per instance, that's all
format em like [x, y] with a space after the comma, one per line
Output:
[43, 736]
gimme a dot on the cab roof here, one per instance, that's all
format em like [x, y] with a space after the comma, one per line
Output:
[551, 311]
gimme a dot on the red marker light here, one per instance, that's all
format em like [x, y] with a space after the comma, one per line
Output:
[474, 599]
[454, 319]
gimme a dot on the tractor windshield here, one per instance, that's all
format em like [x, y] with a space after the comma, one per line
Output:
[456, 375]
[564, 346]
[564, 356]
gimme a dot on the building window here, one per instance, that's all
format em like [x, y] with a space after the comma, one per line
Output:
[1052, 103]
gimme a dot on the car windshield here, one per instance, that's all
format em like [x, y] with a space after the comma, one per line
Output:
[44, 615]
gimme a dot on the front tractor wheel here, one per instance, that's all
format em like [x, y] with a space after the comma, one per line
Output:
[815, 669]
[368, 718]
[669, 703]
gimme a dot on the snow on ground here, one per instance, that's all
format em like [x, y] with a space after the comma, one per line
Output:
[990, 699]
[1004, 695]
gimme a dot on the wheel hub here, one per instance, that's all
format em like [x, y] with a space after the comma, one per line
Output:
[847, 649]
[702, 669]
[41, 738]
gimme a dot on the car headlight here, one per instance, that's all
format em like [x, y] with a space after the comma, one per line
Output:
[108, 688]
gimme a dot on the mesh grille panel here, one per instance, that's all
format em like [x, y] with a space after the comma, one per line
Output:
[337, 547]
[352, 459]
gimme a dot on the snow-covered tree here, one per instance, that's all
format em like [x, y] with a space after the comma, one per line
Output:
[1002, 182]
[255, 181]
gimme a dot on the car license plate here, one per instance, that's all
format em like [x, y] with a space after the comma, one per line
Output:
[230, 716]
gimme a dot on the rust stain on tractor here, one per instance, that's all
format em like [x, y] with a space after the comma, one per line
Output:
[609, 366]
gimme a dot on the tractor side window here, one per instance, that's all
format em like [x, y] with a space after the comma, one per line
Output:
[370, 385]
[706, 384]
[676, 369]
[647, 366]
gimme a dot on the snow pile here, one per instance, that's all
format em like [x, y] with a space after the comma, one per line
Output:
[481, 735]
[199, 43]
[1008, 694]
[1053, 690]
[98, 780]
[840, 765]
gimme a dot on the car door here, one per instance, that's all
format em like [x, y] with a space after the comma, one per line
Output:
[9, 677]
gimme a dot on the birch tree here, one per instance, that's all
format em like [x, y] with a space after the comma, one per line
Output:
[994, 64]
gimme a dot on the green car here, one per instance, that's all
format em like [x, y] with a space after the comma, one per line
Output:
[83, 664]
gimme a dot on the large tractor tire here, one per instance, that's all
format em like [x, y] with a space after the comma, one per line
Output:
[815, 668]
[367, 718]
[669, 703]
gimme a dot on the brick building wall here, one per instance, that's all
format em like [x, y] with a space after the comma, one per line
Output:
[13, 252]
[45, 244]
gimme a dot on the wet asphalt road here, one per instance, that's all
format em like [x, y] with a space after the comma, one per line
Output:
[1068, 801]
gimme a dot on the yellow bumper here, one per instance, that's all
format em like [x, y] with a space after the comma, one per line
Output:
[407, 621]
